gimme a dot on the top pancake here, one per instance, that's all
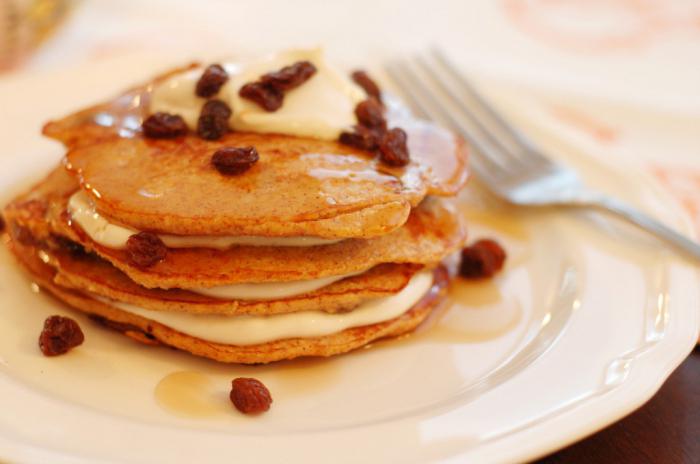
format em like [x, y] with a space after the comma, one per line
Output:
[432, 231]
[299, 187]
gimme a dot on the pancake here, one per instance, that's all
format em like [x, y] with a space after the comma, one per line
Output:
[44, 200]
[358, 244]
[89, 273]
[300, 186]
[432, 231]
[151, 332]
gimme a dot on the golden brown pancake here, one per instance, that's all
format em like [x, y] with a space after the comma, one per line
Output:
[44, 200]
[151, 332]
[432, 231]
[88, 272]
[300, 186]
[91, 274]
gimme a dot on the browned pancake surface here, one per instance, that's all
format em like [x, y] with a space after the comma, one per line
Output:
[300, 186]
[151, 332]
[89, 273]
[432, 231]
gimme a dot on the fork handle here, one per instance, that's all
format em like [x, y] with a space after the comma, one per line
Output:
[648, 223]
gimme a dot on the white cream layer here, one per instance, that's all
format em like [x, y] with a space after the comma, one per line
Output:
[321, 107]
[269, 290]
[252, 330]
[99, 229]
[82, 211]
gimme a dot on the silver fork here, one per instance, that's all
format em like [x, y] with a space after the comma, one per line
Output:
[509, 164]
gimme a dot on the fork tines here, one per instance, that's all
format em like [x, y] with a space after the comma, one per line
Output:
[438, 91]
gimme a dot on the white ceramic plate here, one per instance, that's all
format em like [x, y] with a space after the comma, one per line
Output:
[584, 325]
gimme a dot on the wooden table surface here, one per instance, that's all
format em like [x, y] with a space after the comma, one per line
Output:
[666, 430]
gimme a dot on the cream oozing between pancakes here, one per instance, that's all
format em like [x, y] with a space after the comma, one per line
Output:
[111, 235]
[100, 229]
[321, 108]
[171, 187]
[252, 330]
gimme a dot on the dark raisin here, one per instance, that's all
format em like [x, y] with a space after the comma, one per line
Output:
[368, 85]
[164, 126]
[234, 160]
[482, 259]
[268, 92]
[213, 120]
[269, 98]
[362, 138]
[2, 223]
[211, 81]
[370, 114]
[145, 249]
[393, 147]
[59, 335]
[289, 77]
[250, 396]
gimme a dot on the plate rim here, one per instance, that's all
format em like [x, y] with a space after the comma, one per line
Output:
[495, 449]
[566, 437]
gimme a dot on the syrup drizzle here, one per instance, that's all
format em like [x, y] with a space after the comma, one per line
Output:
[197, 395]
[190, 394]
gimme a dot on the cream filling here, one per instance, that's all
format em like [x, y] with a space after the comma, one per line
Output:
[269, 290]
[322, 107]
[99, 229]
[252, 330]
[82, 211]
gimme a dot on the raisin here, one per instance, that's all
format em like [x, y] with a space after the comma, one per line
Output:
[368, 85]
[2, 223]
[369, 113]
[269, 98]
[482, 259]
[289, 77]
[234, 160]
[393, 148]
[211, 81]
[145, 249]
[250, 396]
[164, 126]
[213, 120]
[362, 138]
[59, 335]
[268, 91]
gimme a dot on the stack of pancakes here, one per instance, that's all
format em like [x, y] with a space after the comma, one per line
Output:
[321, 242]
